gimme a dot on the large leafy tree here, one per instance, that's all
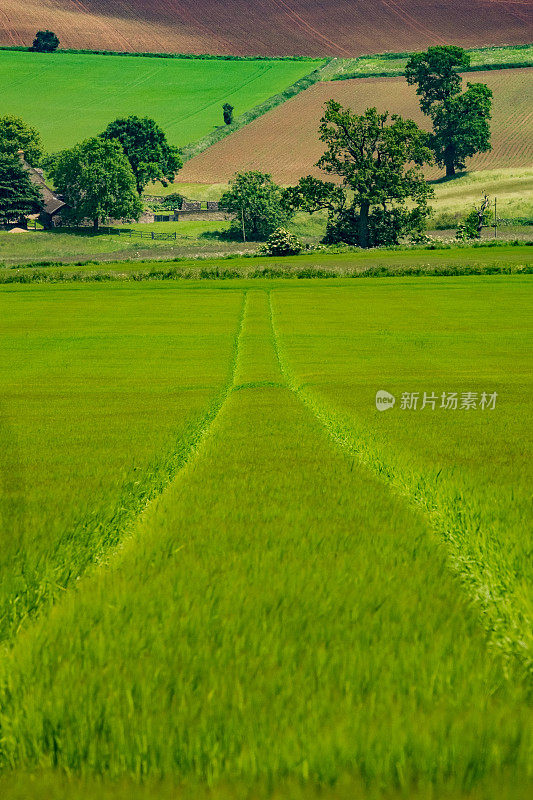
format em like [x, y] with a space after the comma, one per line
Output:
[18, 196]
[15, 135]
[258, 205]
[461, 127]
[436, 74]
[460, 121]
[311, 194]
[146, 147]
[96, 180]
[379, 164]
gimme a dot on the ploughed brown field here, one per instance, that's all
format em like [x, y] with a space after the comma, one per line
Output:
[268, 27]
[285, 141]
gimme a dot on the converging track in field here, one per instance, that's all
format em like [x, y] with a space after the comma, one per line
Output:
[286, 592]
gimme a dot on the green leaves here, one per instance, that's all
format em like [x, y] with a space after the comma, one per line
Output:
[460, 121]
[380, 166]
[436, 73]
[45, 42]
[15, 135]
[461, 127]
[258, 205]
[374, 159]
[311, 194]
[18, 195]
[146, 148]
[96, 181]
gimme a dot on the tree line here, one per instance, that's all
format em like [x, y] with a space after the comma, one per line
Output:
[379, 194]
[104, 176]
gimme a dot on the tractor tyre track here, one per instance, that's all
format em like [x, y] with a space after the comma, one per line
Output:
[503, 616]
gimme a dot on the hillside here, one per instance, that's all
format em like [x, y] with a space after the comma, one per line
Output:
[268, 27]
[184, 96]
[285, 141]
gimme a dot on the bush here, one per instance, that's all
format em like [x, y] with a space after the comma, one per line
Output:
[173, 201]
[282, 243]
[474, 222]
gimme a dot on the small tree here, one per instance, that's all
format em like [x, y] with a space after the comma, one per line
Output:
[18, 196]
[15, 135]
[460, 121]
[380, 166]
[227, 111]
[258, 205]
[45, 42]
[475, 221]
[96, 180]
[146, 147]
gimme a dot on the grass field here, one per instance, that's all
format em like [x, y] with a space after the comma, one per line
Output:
[270, 27]
[69, 97]
[285, 141]
[366, 66]
[453, 198]
[513, 189]
[192, 237]
[206, 240]
[306, 595]
[499, 256]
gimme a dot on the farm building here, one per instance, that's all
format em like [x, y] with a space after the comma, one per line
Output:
[50, 216]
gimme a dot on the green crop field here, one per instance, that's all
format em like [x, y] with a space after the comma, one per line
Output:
[227, 575]
[395, 63]
[69, 97]
[480, 257]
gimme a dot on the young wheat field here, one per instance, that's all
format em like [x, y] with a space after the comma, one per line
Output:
[226, 574]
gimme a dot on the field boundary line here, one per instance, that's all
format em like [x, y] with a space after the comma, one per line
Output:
[28, 275]
[22, 48]
[222, 132]
[508, 627]
[40, 591]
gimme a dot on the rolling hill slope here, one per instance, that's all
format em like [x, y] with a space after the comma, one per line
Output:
[285, 141]
[268, 27]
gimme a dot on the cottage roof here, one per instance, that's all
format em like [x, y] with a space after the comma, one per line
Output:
[52, 202]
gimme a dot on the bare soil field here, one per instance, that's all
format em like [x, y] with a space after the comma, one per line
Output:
[268, 27]
[285, 141]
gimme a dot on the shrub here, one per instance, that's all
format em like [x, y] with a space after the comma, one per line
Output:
[474, 222]
[173, 201]
[282, 243]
